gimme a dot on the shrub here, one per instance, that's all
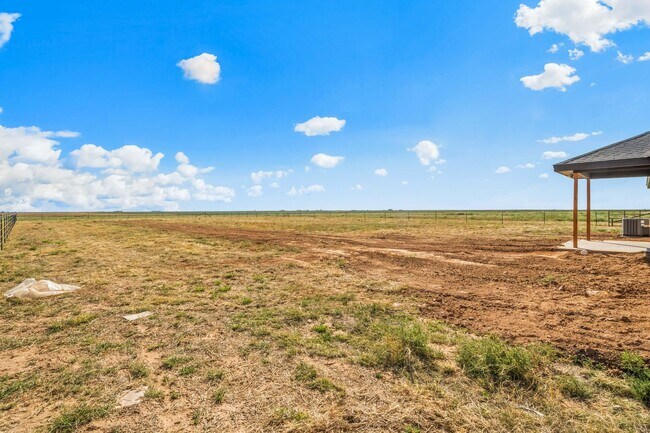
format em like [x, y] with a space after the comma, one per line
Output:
[496, 363]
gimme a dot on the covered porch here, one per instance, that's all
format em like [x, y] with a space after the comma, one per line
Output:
[626, 158]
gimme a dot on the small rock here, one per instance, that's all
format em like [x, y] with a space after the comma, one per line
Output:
[132, 397]
[132, 317]
[625, 319]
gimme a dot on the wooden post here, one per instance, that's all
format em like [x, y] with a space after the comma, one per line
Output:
[588, 209]
[575, 211]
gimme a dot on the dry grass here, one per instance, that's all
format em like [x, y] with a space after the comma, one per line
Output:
[247, 336]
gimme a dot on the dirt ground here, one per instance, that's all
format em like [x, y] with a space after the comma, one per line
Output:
[311, 325]
[521, 288]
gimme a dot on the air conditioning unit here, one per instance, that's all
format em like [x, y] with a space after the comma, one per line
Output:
[636, 226]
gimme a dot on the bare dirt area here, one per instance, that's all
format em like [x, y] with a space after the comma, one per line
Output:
[320, 325]
[523, 288]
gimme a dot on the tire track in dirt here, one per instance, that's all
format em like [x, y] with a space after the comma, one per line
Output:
[595, 304]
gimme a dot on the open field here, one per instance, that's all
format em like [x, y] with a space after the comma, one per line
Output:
[322, 323]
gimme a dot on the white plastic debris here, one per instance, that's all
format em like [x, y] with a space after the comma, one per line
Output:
[132, 397]
[30, 288]
[132, 317]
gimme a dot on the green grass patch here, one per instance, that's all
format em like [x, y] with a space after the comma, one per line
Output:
[637, 375]
[72, 322]
[172, 362]
[309, 376]
[496, 363]
[218, 395]
[76, 417]
[574, 388]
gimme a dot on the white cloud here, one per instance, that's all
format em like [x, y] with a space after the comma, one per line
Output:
[255, 191]
[381, 172]
[554, 75]
[543, 176]
[527, 165]
[66, 134]
[6, 26]
[624, 58]
[502, 170]
[207, 192]
[578, 136]
[307, 169]
[203, 68]
[181, 158]
[308, 190]
[130, 157]
[404, 182]
[259, 176]
[1, 110]
[554, 48]
[357, 187]
[645, 57]
[426, 151]
[576, 54]
[554, 154]
[274, 185]
[584, 21]
[33, 176]
[326, 161]
[320, 126]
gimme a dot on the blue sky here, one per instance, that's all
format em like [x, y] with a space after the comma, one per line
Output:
[448, 74]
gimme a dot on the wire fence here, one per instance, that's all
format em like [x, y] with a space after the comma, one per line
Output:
[7, 222]
[598, 217]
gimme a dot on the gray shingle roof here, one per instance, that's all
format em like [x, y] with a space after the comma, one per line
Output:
[632, 148]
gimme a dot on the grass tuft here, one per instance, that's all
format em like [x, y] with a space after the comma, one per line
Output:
[574, 388]
[71, 322]
[496, 363]
[638, 376]
[76, 417]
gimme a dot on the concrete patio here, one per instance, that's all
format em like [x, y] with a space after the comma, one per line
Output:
[613, 246]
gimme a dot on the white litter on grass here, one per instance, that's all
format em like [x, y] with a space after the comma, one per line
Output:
[30, 288]
[132, 317]
[132, 397]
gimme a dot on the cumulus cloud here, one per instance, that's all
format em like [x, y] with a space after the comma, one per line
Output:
[554, 76]
[585, 22]
[381, 172]
[502, 170]
[326, 161]
[426, 151]
[624, 58]
[320, 126]
[130, 158]
[527, 165]
[404, 182]
[554, 154]
[33, 175]
[578, 136]
[576, 54]
[306, 190]
[259, 176]
[6, 26]
[203, 68]
[643, 58]
[543, 176]
[357, 187]
[255, 191]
